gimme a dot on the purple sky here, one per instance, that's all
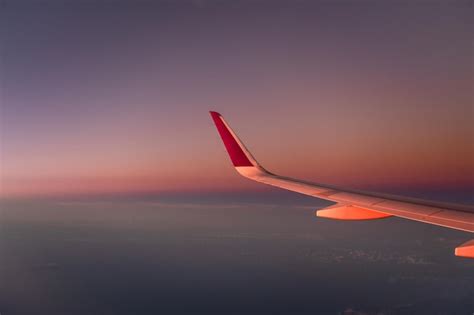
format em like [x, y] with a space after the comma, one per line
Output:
[113, 96]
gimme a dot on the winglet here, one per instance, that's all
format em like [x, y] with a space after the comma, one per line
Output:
[237, 151]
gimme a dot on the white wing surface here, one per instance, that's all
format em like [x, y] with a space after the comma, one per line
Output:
[351, 204]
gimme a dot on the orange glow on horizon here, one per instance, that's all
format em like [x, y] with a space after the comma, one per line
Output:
[128, 111]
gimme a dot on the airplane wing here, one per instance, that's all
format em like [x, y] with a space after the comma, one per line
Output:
[351, 204]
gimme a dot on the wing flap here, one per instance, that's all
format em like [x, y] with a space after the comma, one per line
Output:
[451, 219]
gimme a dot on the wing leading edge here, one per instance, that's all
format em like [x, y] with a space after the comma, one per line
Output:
[351, 204]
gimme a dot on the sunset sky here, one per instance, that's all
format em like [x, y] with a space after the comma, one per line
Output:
[113, 97]
[117, 195]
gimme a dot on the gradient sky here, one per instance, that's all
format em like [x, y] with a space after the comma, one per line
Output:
[113, 96]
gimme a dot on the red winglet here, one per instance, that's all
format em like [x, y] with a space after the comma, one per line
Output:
[236, 153]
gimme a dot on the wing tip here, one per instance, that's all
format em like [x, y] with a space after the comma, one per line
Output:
[234, 148]
[214, 114]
